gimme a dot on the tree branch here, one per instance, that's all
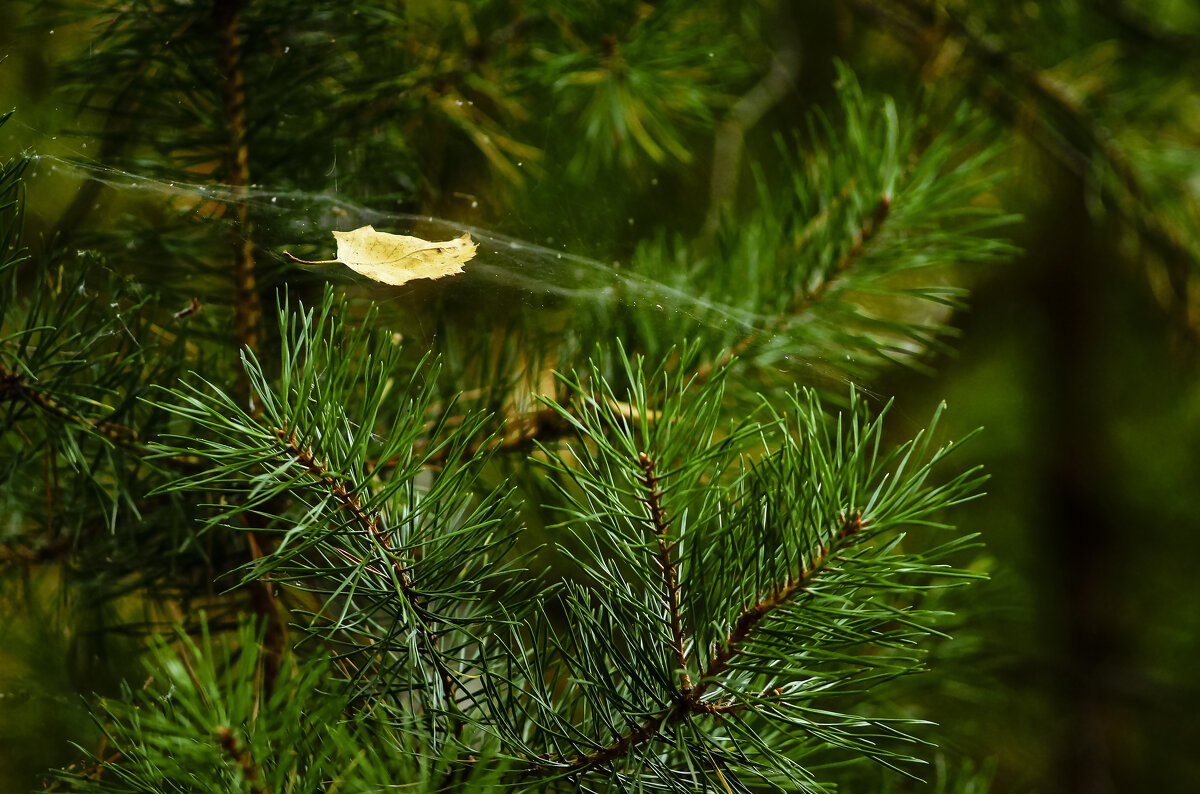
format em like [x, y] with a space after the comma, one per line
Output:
[13, 387]
[689, 702]
[803, 299]
[752, 615]
[368, 524]
[731, 133]
[661, 526]
[921, 26]
[246, 309]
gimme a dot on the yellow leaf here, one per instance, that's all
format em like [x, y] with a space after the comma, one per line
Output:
[395, 258]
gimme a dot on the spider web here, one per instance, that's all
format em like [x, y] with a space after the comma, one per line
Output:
[501, 259]
[530, 270]
[508, 273]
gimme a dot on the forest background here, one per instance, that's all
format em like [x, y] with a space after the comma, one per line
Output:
[1073, 666]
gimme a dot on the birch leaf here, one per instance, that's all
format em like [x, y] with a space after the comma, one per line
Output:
[395, 258]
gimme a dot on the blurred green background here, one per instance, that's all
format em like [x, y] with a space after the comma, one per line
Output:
[1073, 669]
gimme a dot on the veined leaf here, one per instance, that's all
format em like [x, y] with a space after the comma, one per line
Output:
[396, 258]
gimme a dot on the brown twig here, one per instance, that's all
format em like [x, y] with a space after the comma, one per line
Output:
[245, 762]
[753, 615]
[193, 307]
[803, 298]
[690, 702]
[13, 387]
[368, 524]
[246, 309]
[661, 526]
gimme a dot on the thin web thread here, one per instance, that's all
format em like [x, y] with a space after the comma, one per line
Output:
[504, 259]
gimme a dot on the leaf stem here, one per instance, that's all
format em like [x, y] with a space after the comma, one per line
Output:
[312, 262]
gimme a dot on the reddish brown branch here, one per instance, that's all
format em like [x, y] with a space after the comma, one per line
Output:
[802, 298]
[246, 309]
[368, 524]
[689, 702]
[229, 744]
[752, 615]
[661, 527]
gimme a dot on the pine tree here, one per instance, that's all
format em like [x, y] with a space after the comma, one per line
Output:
[624, 521]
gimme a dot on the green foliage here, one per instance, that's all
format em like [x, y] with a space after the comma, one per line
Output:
[835, 262]
[201, 722]
[721, 595]
[605, 515]
[651, 78]
[76, 354]
[672, 513]
[338, 462]
[729, 598]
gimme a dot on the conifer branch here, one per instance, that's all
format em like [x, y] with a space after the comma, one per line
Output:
[367, 523]
[752, 615]
[804, 298]
[661, 526]
[405, 562]
[545, 425]
[689, 699]
[14, 387]
[229, 744]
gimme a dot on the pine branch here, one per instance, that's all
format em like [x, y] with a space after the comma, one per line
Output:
[918, 24]
[752, 615]
[803, 298]
[774, 656]
[661, 528]
[314, 489]
[14, 388]
[729, 588]
[347, 500]
[689, 700]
